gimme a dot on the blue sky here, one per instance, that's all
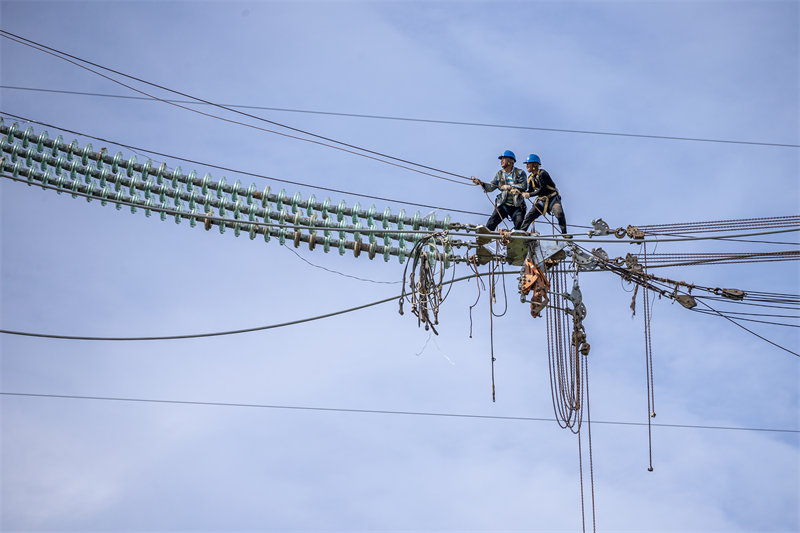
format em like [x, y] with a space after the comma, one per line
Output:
[713, 70]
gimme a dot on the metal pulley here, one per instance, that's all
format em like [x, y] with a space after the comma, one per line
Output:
[686, 300]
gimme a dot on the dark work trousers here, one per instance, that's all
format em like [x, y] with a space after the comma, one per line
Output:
[553, 207]
[516, 214]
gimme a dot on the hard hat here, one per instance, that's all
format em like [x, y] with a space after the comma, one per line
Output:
[533, 158]
[507, 153]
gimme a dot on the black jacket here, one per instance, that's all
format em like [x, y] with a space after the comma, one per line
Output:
[541, 184]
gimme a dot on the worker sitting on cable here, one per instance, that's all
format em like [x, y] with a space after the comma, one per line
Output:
[512, 183]
[542, 187]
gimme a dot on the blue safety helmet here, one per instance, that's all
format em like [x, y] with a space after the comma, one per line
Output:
[507, 153]
[533, 158]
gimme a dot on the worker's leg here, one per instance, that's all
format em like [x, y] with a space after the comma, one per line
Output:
[533, 214]
[518, 216]
[498, 215]
[558, 212]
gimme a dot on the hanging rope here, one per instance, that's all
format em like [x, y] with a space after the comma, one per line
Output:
[426, 280]
[589, 430]
[566, 342]
[648, 355]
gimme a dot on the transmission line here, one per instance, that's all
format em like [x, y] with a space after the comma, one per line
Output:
[222, 333]
[421, 120]
[58, 53]
[379, 411]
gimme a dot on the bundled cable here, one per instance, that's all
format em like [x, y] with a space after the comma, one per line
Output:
[426, 279]
[566, 343]
[722, 225]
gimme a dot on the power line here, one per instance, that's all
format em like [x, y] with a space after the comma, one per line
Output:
[727, 315]
[421, 120]
[379, 411]
[221, 333]
[202, 335]
[58, 53]
[750, 331]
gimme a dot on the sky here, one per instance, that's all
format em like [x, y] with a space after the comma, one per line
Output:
[297, 428]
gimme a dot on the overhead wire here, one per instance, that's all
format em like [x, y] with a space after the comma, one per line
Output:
[375, 154]
[379, 411]
[734, 321]
[728, 313]
[422, 120]
[721, 225]
[220, 333]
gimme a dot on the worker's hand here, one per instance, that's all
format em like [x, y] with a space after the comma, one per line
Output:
[526, 195]
[515, 192]
[505, 187]
[476, 181]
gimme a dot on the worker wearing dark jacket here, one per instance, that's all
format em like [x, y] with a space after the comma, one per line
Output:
[512, 183]
[542, 187]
